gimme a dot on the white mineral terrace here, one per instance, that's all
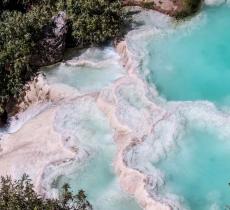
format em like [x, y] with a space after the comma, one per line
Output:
[61, 120]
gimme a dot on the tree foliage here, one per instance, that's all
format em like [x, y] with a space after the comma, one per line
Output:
[19, 33]
[96, 21]
[20, 195]
[91, 22]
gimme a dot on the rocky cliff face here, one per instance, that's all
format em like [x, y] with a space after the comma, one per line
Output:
[51, 47]
[170, 7]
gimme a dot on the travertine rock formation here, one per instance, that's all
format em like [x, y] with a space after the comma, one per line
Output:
[170, 7]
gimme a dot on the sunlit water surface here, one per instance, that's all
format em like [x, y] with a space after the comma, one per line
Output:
[90, 72]
[190, 62]
[193, 63]
[93, 70]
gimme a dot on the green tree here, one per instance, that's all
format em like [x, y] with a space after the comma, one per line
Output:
[19, 33]
[22, 23]
[20, 195]
[96, 21]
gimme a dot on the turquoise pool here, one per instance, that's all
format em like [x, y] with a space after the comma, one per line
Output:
[87, 127]
[193, 62]
[190, 63]
[198, 170]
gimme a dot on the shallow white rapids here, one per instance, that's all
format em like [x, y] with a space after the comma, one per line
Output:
[87, 115]
[163, 137]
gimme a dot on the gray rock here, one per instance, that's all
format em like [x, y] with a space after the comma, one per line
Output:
[50, 49]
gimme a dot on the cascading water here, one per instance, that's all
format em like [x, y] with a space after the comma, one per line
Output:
[117, 134]
[197, 170]
[93, 70]
[191, 61]
[81, 122]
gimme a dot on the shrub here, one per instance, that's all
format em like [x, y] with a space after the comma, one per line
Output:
[91, 22]
[20, 195]
[19, 33]
[96, 21]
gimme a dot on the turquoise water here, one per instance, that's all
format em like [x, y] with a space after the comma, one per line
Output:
[98, 180]
[190, 63]
[199, 170]
[100, 69]
[83, 123]
[193, 62]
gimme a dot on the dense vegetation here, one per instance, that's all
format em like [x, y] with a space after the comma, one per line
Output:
[22, 25]
[19, 33]
[99, 20]
[22, 22]
[20, 195]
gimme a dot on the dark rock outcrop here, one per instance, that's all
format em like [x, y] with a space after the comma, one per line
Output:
[50, 49]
